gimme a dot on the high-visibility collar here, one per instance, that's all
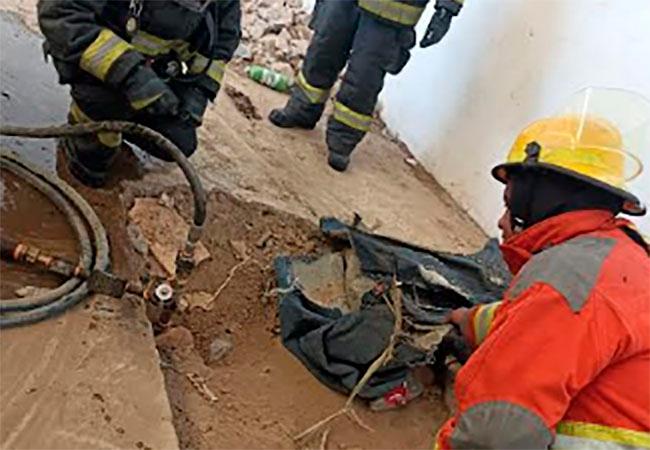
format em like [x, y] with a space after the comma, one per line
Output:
[550, 232]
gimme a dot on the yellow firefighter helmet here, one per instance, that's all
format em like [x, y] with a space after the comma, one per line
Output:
[600, 138]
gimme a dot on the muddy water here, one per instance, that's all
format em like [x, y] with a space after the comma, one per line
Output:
[27, 215]
[29, 91]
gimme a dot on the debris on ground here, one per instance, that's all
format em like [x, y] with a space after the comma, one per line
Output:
[197, 299]
[137, 240]
[275, 36]
[243, 103]
[240, 248]
[218, 349]
[165, 232]
[30, 291]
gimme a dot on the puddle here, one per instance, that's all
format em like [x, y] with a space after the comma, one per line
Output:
[30, 94]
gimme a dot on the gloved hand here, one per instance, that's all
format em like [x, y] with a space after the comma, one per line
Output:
[194, 102]
[438, 26]
[459, 317]
[147, 92]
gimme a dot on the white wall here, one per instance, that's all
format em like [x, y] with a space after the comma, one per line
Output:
[458, 105]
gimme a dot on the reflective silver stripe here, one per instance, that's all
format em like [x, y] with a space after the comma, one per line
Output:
[483, 321]
[580, 443]
[100, 55]
[148, 44]
[153, 45]
[215, 68]
[393, 10]
[500, 424]
[571, 268]
[576, 434]
[351, 118]
[314, 95]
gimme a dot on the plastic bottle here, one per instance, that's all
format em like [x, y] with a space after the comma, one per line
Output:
[271, 78]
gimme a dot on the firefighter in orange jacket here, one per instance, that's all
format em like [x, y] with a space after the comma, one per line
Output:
[564, 360]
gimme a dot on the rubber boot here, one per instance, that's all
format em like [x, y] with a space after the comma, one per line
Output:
[338, 161]
[281, 118]
[87, 159]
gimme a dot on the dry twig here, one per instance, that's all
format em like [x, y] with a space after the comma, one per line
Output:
[385, 357]
[323, 440]
[230, 276]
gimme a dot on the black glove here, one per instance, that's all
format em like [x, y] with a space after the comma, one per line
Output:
[194, 102]
[439, 24]
[147, 92]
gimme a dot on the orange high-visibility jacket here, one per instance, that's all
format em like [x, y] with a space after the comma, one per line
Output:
[564, 360]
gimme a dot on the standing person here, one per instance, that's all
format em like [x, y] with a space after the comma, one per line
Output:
[373, 37]
[564, 360]
[157, 63]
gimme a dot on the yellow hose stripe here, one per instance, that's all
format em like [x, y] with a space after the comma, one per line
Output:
[100, 56]
[351, 118]
[393, 10]
[314, 94]
[483, 321]
[604, 433]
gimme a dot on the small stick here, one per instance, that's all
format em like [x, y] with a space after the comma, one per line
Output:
[230, 276]
[323, 441]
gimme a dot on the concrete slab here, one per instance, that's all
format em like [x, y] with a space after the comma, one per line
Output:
[90, 378]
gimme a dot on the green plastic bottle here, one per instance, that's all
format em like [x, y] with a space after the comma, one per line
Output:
[271, 78]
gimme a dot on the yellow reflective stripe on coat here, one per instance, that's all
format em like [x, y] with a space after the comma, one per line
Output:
[351, 118]
[215, 68]
[590, 435]
[393, 10]
[151, 45]
[314, 94]
[99, 57]
[144, 102]
[483, 321]
[108, 138]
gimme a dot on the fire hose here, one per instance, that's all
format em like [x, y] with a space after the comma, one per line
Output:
[90, 274]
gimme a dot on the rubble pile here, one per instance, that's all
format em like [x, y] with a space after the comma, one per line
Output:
[275, 33]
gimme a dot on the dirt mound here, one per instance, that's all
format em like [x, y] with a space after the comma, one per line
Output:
[231, 382]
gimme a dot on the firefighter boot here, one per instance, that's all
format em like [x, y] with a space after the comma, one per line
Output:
[281, 117]
[87, 159]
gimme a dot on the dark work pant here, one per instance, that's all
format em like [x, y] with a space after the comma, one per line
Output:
[98, 102]
[370, 47]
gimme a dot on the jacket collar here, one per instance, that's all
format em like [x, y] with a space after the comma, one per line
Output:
[553, 231]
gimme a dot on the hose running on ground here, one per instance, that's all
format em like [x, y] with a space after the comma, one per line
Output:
[82, 218]
[14, 312]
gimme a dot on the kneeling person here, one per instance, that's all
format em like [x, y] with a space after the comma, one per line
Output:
[156, 63]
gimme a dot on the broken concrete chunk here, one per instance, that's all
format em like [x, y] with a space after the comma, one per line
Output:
[240, 248]
[165, 231]
[198, 299]
[138, 241]
[219, 348]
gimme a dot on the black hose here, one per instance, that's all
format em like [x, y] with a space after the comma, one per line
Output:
[158, 139]
[77, 211]
[78, 226]
[14, 312]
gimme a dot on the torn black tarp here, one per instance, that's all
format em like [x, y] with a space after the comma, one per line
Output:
[335, 320]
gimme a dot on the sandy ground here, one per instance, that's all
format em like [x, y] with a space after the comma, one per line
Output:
[263, 180]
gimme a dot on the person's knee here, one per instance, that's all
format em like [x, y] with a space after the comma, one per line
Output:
[182, 134]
